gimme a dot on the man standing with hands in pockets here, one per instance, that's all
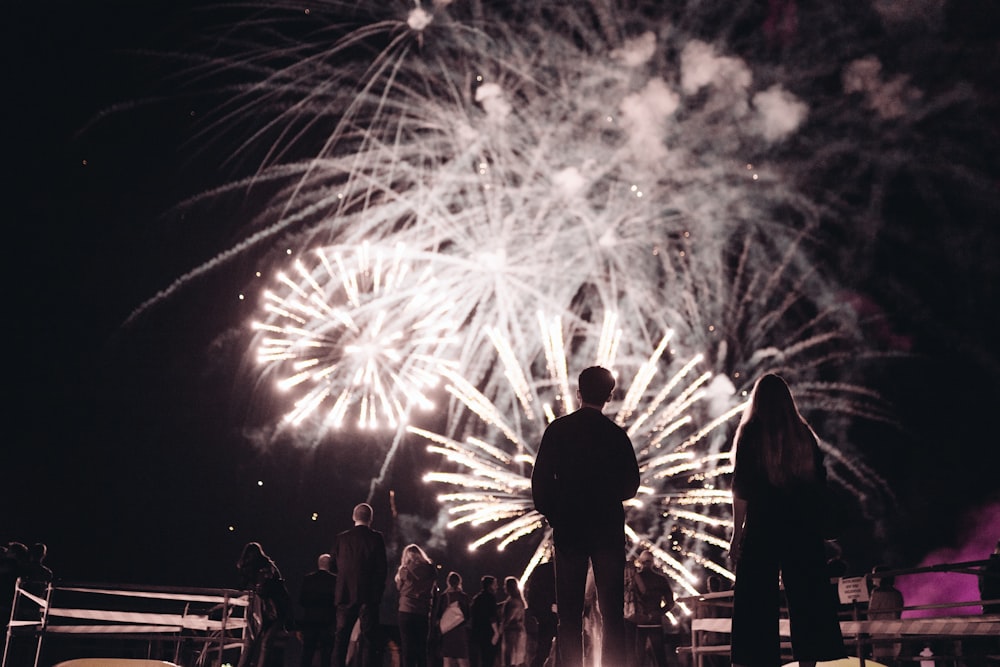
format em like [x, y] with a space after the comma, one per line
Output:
[361, 568]
[584, 470]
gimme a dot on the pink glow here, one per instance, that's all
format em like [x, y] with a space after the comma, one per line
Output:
[977, 543]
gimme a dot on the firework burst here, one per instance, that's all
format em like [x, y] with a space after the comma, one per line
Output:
[547, 173]
[532, 158]
[669, 418]
[357, 333]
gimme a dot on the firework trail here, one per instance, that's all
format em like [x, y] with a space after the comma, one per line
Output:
[556, 171]
[768, 311]
[666, 412]
[541, 159]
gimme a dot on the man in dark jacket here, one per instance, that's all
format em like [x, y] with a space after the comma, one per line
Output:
[584, 470]
[358, 555]
[653, 599]
[482, 648]
[319, 613]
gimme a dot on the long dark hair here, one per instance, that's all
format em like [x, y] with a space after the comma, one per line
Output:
[786, 451]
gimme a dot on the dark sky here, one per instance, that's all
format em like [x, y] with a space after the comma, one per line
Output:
[124, 449]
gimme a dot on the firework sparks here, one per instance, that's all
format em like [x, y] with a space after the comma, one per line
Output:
[546, 175]
[540, 165]
[358, 332]
[680, 482]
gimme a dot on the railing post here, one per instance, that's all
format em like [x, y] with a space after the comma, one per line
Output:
[225, 628]
[858, 641]
[10, 621]
[44, 617]
[695, 653]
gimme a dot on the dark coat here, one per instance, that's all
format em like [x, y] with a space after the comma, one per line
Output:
[317, 598]
[358, 556]
[584, 469]
[484, 614]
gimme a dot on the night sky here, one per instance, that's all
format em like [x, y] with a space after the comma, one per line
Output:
[126, 448]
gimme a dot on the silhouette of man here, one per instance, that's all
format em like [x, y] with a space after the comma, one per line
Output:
[319, 613]
[884, 603]
[584, 469]
[358, 555]
[482, 650]
[654, 598]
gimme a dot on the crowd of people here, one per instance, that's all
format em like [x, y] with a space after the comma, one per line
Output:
[574, 605]
[440, 624]
[590, 601]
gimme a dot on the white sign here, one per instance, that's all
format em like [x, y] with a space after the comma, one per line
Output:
[852, 589]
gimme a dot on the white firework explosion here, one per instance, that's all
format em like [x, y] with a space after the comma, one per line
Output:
[534, 158]
[361, 332]
[664, 409]
[546, 172]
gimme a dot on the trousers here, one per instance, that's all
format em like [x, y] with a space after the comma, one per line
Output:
[573, 559]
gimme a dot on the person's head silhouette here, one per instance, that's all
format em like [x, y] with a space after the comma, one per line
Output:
[595, 386]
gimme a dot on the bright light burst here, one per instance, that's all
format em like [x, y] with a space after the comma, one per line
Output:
[679, 443]
[547, 162]
[362, 332]
[512, 158]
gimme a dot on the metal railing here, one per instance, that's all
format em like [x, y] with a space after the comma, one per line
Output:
[960, 638]
[207, 623]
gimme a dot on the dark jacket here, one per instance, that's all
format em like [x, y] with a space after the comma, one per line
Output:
[540, 591]
[584, 469]
[361, 568]
[484, 614]
[318, 599]
[654, 597]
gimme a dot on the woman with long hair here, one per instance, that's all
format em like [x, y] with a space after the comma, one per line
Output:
[269, 611]
[513, 638]
[779, 489]
[415, 581]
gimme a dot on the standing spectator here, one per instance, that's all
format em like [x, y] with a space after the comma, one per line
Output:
[884, 604]
[513, 638]
[584, 470]
[540, 594]
[37, 570]
[319, 613]
[779, 484]
[485, 624]
[415, 581]
[359, 561]
[269, 612]
[454, 640]
[653, 599]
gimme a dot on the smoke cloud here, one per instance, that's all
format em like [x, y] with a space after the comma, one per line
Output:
[977, 543]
